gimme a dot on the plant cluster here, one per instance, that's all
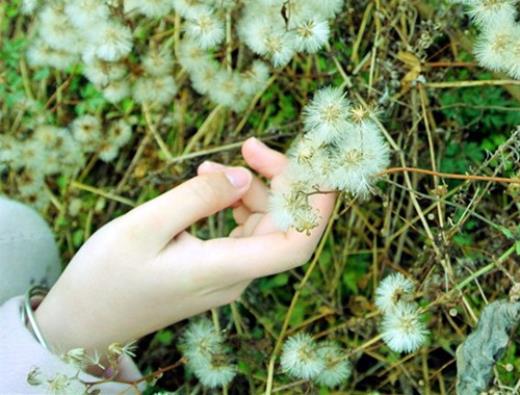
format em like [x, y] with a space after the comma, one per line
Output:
[207, 355]
[50, 150]
[118, 52]
[324, 363]
[498, 45]
[342, 148]
[402, 329]
[79, 359]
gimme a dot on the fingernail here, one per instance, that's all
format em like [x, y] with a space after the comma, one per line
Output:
[238, 176]
[257, 142]
[210, 166]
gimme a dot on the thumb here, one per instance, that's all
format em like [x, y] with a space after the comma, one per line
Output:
[164, 217]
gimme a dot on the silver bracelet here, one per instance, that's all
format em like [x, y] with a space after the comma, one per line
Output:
[28, 313]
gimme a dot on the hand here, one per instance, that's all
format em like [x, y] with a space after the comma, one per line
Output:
[143, 271]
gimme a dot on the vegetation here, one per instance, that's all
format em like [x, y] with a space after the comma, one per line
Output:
[456, 238]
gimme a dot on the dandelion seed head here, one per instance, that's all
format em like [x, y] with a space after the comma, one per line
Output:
[391, 291]
[337, 368]
[149, 8]
[84, 13]
[310, 35]
[326, 117]
[87, 130]
[205, 29]
[362, 155]
[116, 91]
[300, 357]
[403, 330]
[112, 41]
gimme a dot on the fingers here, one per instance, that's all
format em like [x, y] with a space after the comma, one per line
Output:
[263, 159]
[159, 220]
[241, 214]
[246, 258]
[267, 251]
[257, 196]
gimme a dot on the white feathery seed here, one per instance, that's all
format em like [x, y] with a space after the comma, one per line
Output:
[391, 290]
[326, 117]
[205, 29]
[111, 40]
[402, 329]
[300, 357]
[337, 368]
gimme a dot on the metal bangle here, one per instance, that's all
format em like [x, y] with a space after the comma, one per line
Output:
[28, 313]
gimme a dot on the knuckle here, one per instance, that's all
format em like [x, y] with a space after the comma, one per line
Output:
[204, 191]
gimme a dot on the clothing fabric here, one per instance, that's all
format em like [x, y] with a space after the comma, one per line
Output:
[28, 252]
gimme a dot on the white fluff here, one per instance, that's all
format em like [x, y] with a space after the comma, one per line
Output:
[363, 154]
[116, 91]
[403, 330]
[159, 90]
[391, 290]
[149, 8]
[337, 368]
[326, 117]
[205, 29]
[112, 41]
[300, 357]
[310, 34]
[85, 13]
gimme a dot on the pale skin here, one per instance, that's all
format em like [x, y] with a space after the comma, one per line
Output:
[143, 271]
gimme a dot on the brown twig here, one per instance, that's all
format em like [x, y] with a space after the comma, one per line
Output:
[455, 176]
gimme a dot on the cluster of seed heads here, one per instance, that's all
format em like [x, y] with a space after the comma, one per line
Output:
[498, 45]
[342, 148]
[402, 328]
[121, 46]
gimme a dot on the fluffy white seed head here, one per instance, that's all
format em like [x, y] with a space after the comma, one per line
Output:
[85, 13]
[403, 330]
[56, 30]
[29, 6]
[203, 347]
[188, 8]
[486, 12]
[203, 78]
[158, 62]
[205, 29]
[392, 290]
[362, 155]
[108, 151]
[112, 41]
[300, 357]
[149, 8]
[160, 90]
[87, 130]
[255, 78]
[326, 117]
[39, 54]
[116, 91]
[310, 34]
[291, 209]
[226, 90]
[120, 133]
[192, 57]
[101, 73]
[337, 368]
[494, 46]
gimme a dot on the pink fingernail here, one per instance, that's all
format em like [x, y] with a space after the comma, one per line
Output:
[210, 166]
[257, 142]
[238, 177]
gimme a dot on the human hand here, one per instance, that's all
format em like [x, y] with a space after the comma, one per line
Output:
[143, 271]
